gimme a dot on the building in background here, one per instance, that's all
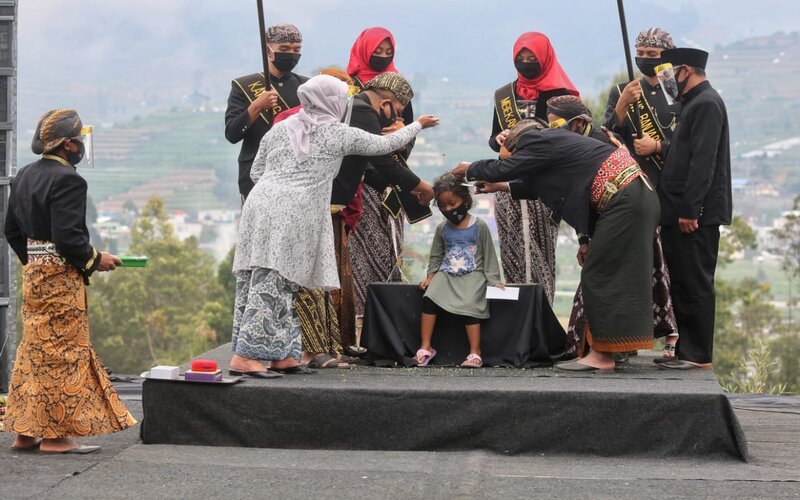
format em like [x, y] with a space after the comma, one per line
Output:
[8, 154]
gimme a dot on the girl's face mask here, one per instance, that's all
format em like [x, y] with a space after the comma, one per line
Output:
[456, 215]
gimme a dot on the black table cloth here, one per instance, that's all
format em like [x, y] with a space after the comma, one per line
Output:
[522, 333]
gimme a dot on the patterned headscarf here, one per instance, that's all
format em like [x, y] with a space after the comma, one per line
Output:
[394, 83]
[284, 33]
[568, 107]
[520, 128]
[54, 128]
[655, 37]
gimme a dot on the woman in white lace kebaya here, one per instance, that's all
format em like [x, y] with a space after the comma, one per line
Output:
[285, 235]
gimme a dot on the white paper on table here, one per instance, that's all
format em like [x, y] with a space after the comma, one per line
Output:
[509, 293]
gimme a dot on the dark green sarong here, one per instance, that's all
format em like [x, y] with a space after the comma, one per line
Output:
[617, 274]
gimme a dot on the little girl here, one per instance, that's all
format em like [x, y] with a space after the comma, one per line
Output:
[462, 263]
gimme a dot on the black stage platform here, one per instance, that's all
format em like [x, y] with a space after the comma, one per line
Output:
[521, 333]
[637, 411]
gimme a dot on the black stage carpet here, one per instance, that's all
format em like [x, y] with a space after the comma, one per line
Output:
[521, 333]
[638, 411]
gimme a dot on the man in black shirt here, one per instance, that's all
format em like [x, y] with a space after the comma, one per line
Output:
[600, 191]
[374, 109]
[252, 107]
[695, 193]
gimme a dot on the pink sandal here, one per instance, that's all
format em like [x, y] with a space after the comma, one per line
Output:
[472, 361]
[426, 356]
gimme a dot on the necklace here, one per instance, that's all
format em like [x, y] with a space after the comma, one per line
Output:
[672, 123]
[673, 120]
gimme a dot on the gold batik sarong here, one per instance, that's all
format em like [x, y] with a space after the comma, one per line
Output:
[59, 387]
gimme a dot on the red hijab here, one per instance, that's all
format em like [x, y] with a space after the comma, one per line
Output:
[552, 76]
[362, 50]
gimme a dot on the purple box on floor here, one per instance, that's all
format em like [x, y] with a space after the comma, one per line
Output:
[191, 376]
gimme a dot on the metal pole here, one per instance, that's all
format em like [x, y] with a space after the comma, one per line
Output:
[263, 35]
[629, 62]
[8, 284]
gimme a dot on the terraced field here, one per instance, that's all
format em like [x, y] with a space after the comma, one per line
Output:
[178, 154]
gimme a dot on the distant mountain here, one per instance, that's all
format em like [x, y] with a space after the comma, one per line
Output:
[758, 79]
[114, 59]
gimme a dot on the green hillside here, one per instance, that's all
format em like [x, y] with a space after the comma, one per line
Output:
[758, 79]
[150, 148]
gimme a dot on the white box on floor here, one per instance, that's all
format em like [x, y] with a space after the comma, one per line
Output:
[165, 372]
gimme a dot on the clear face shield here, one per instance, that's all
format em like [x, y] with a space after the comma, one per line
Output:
[349, 111]
[87, 133]
[352, 90]
[666, 77]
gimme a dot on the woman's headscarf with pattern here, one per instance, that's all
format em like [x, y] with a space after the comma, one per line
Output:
[54, 128]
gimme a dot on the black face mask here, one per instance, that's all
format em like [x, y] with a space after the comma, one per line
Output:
[286, 61]
[387, 121]
[681, 84]
[75, 157]
[647, 65]
[456, 215]
[529, 70]
[378, 63]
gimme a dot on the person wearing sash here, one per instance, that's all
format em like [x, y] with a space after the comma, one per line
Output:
[285, 238]
[527, 234]
[601, 191]
[59, 388]
[377, 243]
[252, 107]
[657, 122]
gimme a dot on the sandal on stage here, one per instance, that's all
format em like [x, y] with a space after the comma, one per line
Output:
[323, 361]
[425, 356]
[295, 370]
[621, 358]
[32, 447]
[266, 374]
[678, 364]
[472, 361]
[667, 354]
[356, 351]
[574, 366]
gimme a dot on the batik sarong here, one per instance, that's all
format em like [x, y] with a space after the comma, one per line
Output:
[528, 238]
[375, 246]
[664, 323]
[344, 299]
[59, 387]
[265, 326]
[319, 324]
